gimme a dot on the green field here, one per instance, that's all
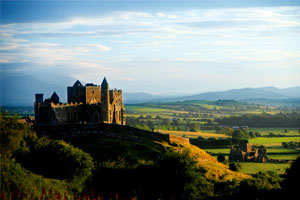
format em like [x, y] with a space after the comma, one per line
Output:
[277, 131]
[284, 157]
[252, 167]
[273, 141]
[147, 110]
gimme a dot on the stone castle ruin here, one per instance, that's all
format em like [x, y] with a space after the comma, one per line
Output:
[89, 104]
[246, 152]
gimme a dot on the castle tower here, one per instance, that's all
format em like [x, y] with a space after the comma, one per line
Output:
[39, 100]
[54, 98]
[105, 103]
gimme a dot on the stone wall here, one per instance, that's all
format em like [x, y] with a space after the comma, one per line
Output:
[178, 139]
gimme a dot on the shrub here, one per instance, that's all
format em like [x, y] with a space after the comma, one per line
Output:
[234, 166]
[13, 136]
[182, 178]
[58, 160]
[221, 158]
[262, 185]
[290, 184]
[19, 183]
[240, 134]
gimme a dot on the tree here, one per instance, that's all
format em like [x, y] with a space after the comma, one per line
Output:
[166, 122]
[194, 127]
[175, 122]
[150, 124]
[240, 134]
[234, 166]
[227, 131]
[221, 158]
[59, 160]
[290, 184]
[158, 117]
[182, 178]
[263, 185]
[252, 134]
[13, 135]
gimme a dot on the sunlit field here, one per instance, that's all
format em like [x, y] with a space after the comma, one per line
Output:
[194, 134]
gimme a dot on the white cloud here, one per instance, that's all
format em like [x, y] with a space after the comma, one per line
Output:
[99, 47]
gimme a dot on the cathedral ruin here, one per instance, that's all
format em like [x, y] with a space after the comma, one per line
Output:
[246, 152]
[89, 104]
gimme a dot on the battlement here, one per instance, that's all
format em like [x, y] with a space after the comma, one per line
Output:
[115, 92]
[63, 105]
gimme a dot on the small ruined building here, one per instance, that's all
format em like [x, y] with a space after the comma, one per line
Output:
[89, 104]
[246, 152]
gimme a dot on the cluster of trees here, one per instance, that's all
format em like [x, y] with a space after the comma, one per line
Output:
[39, 168]
[174, 176]
[238, 133]
[291, 145]
[215, 142]
[291, 120]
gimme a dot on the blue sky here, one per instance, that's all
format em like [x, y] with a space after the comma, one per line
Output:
[156, 46]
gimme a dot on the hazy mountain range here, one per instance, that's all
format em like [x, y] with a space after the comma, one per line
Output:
[19, 89]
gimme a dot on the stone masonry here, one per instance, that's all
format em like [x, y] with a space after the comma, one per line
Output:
[246, 152]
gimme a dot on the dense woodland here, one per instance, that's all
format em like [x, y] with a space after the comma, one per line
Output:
[35, 167]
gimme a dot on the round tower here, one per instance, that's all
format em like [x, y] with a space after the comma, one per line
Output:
[105, 109]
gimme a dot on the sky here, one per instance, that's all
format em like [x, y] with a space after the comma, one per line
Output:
[158, 47]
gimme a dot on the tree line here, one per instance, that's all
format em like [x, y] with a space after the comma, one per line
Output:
[280, 120]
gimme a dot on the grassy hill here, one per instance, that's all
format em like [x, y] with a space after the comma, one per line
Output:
[138, 147]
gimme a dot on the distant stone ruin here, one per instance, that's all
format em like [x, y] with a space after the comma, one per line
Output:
[246, 152]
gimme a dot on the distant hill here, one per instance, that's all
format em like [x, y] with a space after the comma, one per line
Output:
[140, 97]
[233, 94]
[241, 94]
[20, 90]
